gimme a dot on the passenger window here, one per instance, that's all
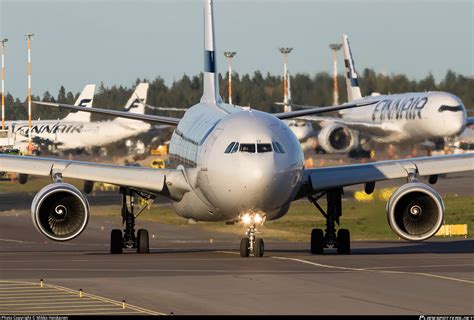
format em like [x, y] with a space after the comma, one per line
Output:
[247, 147]
[264, 147]
[235, 148]
[229, 147]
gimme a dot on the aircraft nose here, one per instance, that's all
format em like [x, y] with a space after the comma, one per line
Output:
[266, 183]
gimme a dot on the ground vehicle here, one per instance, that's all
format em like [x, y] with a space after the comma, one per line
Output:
[158, 163]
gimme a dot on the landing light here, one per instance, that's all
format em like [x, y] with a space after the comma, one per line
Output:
[246, 218]
[258, 218]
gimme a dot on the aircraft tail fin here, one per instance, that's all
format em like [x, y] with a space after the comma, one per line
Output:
[85, 100]
[211, 84]
[137, 102]
[353, 89]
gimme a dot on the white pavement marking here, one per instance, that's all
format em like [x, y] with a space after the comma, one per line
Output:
[30, 298]
[17, 241]
[372, 270]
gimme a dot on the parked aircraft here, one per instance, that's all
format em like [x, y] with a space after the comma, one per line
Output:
[232, 163]
[77, 131]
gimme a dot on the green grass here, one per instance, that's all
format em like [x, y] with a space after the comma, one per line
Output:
[366, 220]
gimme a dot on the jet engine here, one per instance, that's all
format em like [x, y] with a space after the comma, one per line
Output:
[337, 138]
[60, 211]
[415, 211]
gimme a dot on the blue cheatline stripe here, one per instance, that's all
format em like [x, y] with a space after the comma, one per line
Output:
[209, 61]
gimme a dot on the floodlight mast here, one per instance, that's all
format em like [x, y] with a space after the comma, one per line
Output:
[335, 47]
[285, 52]
[3, 45]
[229, 55]
[29, 36]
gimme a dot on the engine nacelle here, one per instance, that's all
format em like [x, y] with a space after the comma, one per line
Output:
[60, 211]
[415, 211]
[337, 138]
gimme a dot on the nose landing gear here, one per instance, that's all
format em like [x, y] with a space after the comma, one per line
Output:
[252, 244]
[329, 238]
[129, 240]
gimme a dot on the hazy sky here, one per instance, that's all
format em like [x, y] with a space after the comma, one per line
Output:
[89, 41]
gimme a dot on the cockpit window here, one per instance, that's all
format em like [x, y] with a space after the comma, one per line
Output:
[450, 108]
[229, 147]
[264, 147]
[277, 147]
[247, 147]
[235, 148]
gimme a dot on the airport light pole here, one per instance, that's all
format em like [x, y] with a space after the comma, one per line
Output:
[29, 36]
[285, 52]
[335, 47]
[3, 44]
[229, 55]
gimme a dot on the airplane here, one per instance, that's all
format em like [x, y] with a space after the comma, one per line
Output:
[77, 131]
[392, 118]
[19, 130]
[231, 163]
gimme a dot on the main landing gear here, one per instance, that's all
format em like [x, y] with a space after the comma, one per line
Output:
[251, 244]
[129, 240]
[329, 238]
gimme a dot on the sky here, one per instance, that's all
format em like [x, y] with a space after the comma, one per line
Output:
[117, 41]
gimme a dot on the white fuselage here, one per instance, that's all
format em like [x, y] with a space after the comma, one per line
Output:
[71, 134]
[411, 116]
[226, 185]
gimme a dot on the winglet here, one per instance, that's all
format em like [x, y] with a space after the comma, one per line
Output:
[353, 89]
[211, 84]
[85, 100]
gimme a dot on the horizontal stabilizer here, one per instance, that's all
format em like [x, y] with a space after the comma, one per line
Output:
[127, 115]
[317, 110]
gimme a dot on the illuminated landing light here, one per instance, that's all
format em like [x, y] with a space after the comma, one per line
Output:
[253, 218]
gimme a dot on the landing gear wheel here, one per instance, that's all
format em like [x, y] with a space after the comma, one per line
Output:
[244, 247]
[343, 241]
[259, 248]
[317, 241]
[116, 241]
[142, 241]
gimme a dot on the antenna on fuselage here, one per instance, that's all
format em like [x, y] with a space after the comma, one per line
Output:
[211, 84]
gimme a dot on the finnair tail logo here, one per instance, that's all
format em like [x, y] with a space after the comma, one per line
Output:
[135, 104]
[84, 103]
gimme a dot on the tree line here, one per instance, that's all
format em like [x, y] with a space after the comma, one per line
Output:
[256, 90]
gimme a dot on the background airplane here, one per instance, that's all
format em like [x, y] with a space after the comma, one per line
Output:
[233, 163]
[394, 118]
[77, 131]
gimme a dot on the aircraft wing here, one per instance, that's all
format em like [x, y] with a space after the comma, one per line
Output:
[326, 178]
[165, 182]
[470, 121]
[116, 113]
[375, 128]
[315, 110]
